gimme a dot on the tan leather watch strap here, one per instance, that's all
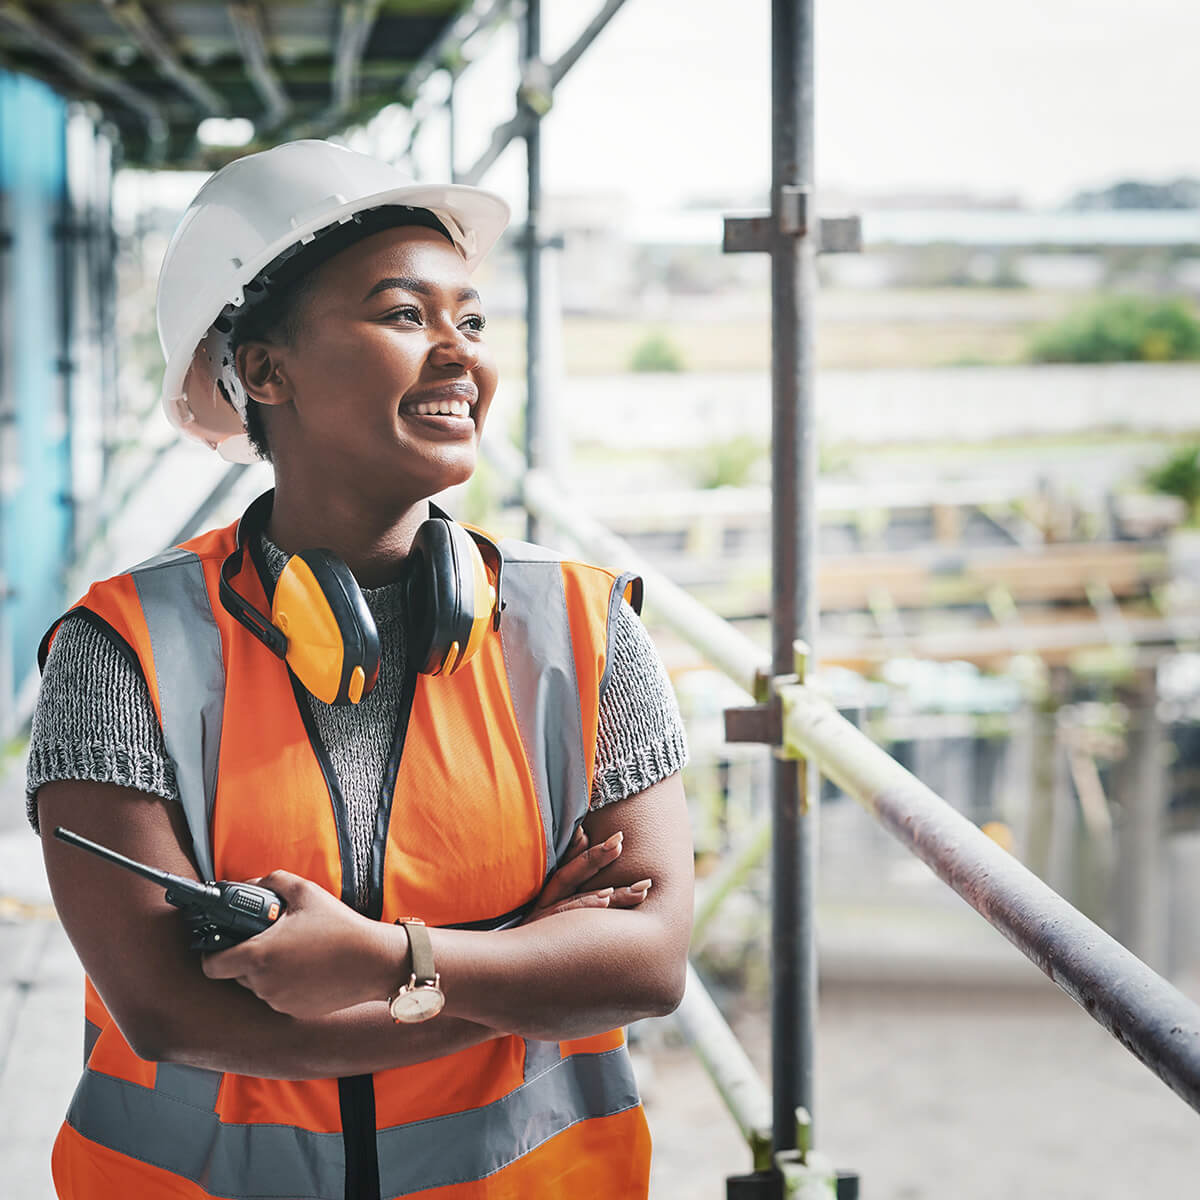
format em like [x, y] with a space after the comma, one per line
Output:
[421, 951]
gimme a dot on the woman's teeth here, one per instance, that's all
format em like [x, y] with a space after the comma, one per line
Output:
[441, 408]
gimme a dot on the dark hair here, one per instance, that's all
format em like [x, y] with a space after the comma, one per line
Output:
[271, 310]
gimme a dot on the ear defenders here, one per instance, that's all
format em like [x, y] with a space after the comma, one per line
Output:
[321, 627]
[450, 595]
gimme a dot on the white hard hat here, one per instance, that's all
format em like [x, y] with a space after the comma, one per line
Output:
[247, 215]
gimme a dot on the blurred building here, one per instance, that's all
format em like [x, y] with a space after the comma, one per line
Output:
[57, 356]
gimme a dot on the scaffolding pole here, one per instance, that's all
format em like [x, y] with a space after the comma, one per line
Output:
[531, 51]
[793, 857]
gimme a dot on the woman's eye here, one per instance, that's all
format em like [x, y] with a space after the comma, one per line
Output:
[475, 323]
[405, 312]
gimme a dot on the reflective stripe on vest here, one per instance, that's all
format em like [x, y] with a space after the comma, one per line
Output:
[191, 683]
[175, 1126]
[540, 661]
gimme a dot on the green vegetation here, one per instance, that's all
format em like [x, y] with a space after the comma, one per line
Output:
[656, 352]
[1122, 329]
[726, 464]
[1179, 476]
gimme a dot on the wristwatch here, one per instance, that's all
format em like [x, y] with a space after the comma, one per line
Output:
[422, 996]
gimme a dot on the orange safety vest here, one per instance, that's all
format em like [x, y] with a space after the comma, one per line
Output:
[488, 777]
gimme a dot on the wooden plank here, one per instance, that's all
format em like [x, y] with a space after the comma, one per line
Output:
[993, 646]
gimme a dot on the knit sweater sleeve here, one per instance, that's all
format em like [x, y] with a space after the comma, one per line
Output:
[640, 739]
[94, 720]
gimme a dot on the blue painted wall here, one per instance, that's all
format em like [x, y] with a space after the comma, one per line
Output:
[35, 519]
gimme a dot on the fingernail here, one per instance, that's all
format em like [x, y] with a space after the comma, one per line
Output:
[605, 892]
[611, 843]
[642, 885]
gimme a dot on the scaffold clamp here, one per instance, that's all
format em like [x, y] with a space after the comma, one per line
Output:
[752, 234]
[764, 723]
[806, 1174]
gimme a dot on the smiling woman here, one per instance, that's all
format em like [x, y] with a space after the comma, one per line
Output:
[477, 829]
[387, 335]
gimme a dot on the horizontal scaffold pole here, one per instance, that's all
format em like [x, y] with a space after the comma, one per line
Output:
[1154, 1021]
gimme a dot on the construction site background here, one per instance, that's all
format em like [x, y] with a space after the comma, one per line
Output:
[1008, 553]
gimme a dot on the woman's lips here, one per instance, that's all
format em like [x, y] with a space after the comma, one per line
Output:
[455, 424]
[450, 399]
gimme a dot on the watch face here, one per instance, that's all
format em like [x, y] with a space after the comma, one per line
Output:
[417, 1004]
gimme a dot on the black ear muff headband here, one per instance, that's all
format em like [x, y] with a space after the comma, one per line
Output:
[236, 604]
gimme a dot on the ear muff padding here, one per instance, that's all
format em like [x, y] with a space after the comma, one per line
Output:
[336, 614]
[442, 595]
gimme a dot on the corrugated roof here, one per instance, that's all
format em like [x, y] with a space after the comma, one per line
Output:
[294, 69]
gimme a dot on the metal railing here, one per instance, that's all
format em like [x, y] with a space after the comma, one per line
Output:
[1146, 1014]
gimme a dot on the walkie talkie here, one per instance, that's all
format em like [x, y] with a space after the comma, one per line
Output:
[219, 914]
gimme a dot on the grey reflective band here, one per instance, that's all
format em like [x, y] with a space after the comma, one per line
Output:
[91, 1035]
[615, 596]
[535, 634]
[479, 1142]
[190, 673]
[156, 1127]
[280, 1162]
[192, 1085]
[540, 1056]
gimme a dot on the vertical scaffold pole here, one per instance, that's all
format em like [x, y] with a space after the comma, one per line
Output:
[531, 50]
[793, 943]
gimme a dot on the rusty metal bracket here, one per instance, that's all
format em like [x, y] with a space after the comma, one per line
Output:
[746, 235]
[761, 723]
[752, 234]
[764, 722]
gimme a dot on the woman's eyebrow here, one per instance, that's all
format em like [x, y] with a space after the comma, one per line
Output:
[408, 284]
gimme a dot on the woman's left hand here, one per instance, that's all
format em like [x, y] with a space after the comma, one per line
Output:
[319, 957]
[567, 886]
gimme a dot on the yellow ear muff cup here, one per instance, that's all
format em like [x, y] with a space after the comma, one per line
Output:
[333, 646]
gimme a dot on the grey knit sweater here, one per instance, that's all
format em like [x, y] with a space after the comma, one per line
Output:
[95, 720]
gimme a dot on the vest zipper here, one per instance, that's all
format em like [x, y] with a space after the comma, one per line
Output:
[357, 1094]
[356, 1100]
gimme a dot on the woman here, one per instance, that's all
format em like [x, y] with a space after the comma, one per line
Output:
[486, 861]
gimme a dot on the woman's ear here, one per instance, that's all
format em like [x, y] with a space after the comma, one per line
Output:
[259, 368]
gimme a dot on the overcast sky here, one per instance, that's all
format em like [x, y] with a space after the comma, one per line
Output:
[1038, 97]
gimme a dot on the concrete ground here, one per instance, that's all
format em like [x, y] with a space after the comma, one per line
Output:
[962, 1075]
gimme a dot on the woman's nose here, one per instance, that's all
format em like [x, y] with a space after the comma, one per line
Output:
[453, 346]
